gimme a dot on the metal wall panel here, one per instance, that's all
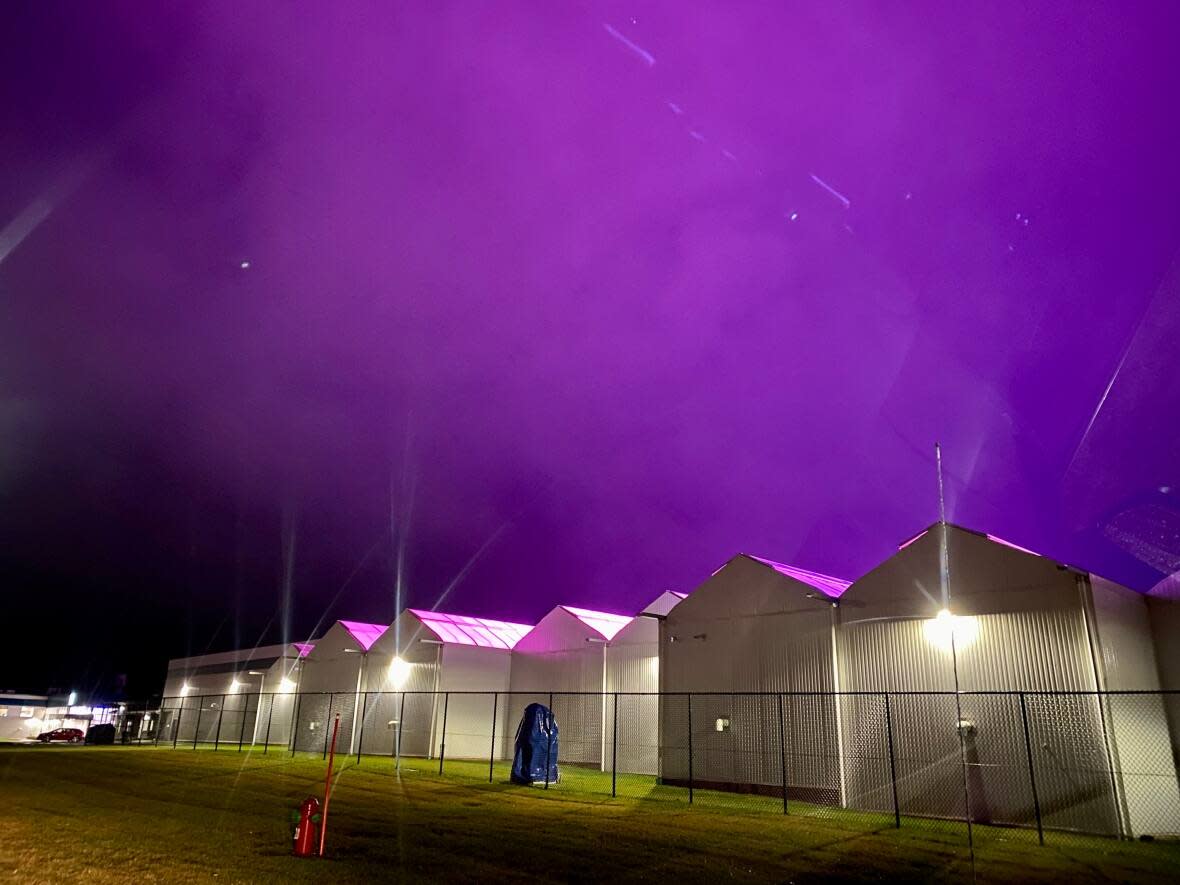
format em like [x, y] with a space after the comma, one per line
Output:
[1139, 731]
[632, 665]
[750, 629]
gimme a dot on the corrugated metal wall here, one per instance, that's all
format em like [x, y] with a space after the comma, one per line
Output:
[1023, 628]
[1138, 725]
[750, 629]
[632, 666]
[579, 717]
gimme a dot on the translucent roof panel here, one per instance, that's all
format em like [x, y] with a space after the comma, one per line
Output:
[468, 630]
[304, 648]
[364, 634]
[825, 584]
[604, 623]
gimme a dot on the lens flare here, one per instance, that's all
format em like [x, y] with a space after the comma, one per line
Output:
[947, 631]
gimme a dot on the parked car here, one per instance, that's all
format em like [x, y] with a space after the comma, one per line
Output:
[101, 734]
[69, 735]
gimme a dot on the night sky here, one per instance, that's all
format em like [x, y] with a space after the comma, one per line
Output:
[564, 303]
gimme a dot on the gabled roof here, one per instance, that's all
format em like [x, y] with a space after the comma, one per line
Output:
[468, 630]
[604, 624]
[825, 584]
[663, 603]
[364, 634]
[994, 538]
[304, 648]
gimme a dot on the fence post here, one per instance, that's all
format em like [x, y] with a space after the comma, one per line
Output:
[295, 722]
[331, 700]
[270, 712]
[892, 762]
[614, 750]
[782, 749]
[492, 754]
[1032, 776]
[220, 713]
[548, 741]
[442, 747]
[242, 730]
[176, 724]
[690, 749]
[360, 736]
[200, 710]
[397, 744]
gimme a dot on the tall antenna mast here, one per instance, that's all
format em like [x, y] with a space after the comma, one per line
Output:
[945, 580]
[944, 569]
[941, 496]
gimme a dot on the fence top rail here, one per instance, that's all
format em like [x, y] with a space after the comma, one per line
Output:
[671, 694]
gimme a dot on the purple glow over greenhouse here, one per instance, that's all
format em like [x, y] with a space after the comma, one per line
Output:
[482, 306]
[468, 630]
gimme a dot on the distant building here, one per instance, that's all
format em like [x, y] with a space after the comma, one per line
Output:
[24, 716]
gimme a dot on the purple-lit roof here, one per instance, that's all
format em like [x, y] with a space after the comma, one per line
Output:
[825, 584]
[364, 634]
[999, 540]
[304, 648]
[603, 623]
[468, 630]
[908, 541]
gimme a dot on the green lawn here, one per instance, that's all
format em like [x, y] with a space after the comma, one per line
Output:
[140, 814]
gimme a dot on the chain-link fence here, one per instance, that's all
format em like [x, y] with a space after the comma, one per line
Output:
[1045, 764]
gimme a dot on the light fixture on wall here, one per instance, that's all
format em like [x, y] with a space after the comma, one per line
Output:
[947, 631]
[399, 672]
[286, 686]
[185, 689]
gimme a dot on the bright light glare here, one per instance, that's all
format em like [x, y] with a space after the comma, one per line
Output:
[286, 686]
[72, 699]
[946, 628]
[235, 685]
[185, 689]
[399, 672]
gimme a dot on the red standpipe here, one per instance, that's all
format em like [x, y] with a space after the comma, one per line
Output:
[328, 784]
[307, 820]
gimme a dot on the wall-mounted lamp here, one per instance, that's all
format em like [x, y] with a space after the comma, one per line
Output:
[399, 672]
[947, 631]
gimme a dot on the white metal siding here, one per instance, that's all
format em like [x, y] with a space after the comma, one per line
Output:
[633, 669]
[1139, 732]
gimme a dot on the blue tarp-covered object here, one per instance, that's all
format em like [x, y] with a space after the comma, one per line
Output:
[536, 746]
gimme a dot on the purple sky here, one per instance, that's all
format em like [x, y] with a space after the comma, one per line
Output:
[607, 291]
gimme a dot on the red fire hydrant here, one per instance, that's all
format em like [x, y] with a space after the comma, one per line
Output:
[307, 828]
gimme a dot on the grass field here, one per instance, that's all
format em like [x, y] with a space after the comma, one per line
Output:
[96, 814]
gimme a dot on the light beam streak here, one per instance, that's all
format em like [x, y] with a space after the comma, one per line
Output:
[638, 51]
[831, 190]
